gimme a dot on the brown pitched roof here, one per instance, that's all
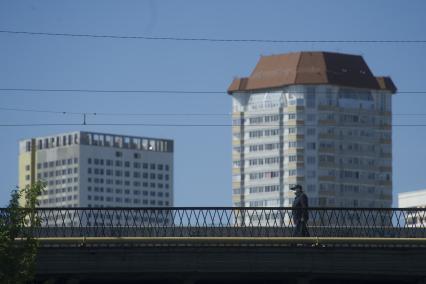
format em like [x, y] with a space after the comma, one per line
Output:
[277, 71]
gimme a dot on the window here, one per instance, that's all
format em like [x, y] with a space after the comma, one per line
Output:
[311, 174]
[311, 145]
[310, 97]
[311, 117]
[118, 154]
[291, 116]
[311, 159]
[28, 146]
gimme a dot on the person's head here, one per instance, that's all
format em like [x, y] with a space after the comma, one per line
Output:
[296, 188]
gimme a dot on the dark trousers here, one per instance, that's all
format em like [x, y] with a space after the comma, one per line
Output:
[301, 230]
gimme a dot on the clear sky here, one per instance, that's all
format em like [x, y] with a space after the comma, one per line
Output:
[202, 154]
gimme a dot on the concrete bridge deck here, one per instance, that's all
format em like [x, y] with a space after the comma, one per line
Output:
[232, 260]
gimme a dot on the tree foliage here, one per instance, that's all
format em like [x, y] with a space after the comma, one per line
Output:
[18, 247]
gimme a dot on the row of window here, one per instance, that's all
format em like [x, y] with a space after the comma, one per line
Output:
[51, 142]
[53, 191]
[51, 182]
[127, 200]
[127, 164]
[128, 183]
[273, 160]
[264, 175]
[55, 163]
[137, 143]
[128, 191]
[119, 173]
[67, 171]
[52, 200]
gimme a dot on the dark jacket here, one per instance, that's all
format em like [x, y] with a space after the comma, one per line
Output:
[300, 208]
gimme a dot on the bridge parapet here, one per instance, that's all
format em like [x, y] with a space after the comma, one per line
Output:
[227, 222]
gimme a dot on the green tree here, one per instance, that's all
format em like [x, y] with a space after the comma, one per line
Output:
[18, 246]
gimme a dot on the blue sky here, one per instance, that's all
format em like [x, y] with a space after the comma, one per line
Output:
[203, 154]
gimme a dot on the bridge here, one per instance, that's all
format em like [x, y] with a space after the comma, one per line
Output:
[229, 245]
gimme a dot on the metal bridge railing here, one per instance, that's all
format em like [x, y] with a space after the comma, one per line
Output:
[225, 222]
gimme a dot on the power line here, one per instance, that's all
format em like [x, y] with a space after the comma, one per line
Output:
[206, 39]
[141, 91]
[203, 125]
[94, 113]
[113, 113]
[112, 91]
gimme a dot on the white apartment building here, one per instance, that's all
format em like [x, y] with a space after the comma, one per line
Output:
[87, 169]
[318, 119]
[413, 199]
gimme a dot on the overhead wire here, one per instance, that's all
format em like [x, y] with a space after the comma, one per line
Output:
[208, 39]
[111, 113]
[95, 113]
[204, 125]
[41, 90]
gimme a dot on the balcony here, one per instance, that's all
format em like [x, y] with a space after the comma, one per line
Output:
[327, 178]
[326, 150]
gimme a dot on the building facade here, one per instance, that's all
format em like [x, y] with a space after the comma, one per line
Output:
[318, 119]
[413, 199]
[86, 169]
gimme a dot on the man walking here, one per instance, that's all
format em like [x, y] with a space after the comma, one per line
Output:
[300, 212]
